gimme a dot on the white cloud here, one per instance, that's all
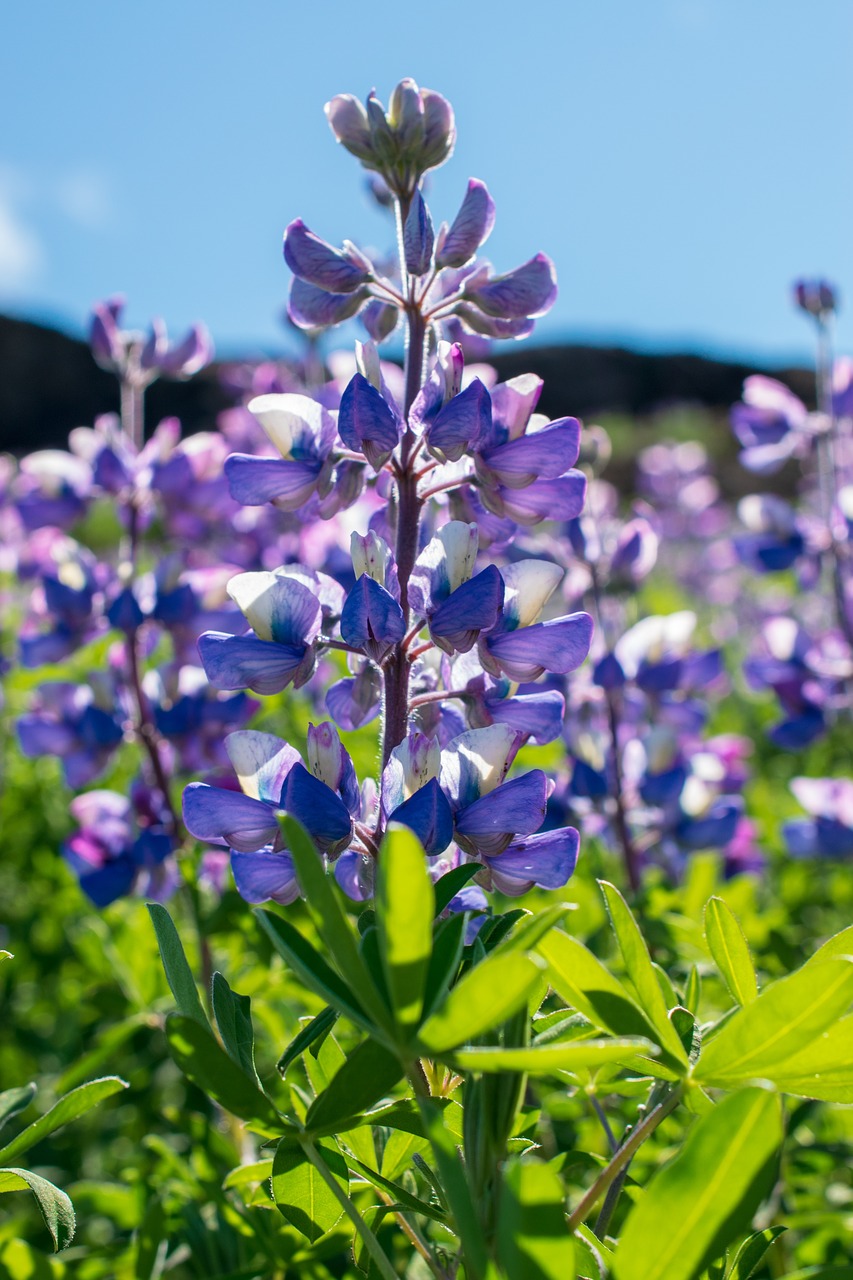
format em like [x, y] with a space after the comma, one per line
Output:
[21, 253]
[83, 195]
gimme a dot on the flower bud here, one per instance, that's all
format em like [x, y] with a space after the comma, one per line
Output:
[471, 227]
[529, 290]
[418, 237]
[406, 117]
[318, 263]
[817, 298]
[439, 130]
[105, 336]
[348, 122]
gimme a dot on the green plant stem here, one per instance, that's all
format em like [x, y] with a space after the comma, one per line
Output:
[374, 1248]
[622, 1158]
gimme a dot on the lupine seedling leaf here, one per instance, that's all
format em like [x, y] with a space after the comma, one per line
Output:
[301, 1194]
[233, 1015]
[751, 1253]
[332, 923]
[74, 1104]
[13, 1101]
[533, 1239]
[486, 996]
[730, 951]
[367, 1075]
[784, 1020]
[203, 1061]
[582, 980]
[178, 972]
[405, 906]
[308, 1036]
[310, 967]
[54, 1205]
[704, 1197]
[824, 1069]
[641, 971]
[542, 1060]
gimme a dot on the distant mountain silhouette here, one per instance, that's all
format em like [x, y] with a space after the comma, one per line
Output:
[49, 383]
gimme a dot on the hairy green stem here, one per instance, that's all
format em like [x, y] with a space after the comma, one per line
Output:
[372, 1245]
[622, 1158]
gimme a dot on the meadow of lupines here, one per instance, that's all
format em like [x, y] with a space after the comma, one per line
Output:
[492, 825]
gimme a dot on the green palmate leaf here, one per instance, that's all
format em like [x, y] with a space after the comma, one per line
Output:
[74, 1104]
[13, 1101]
[447, 945]
[781, 1022]
[533, 1239]
[233, 1015]
[398, 1152]
[641, 971]
[203, 1061]
[455, 1187]
[54, 1205]
[452, 882]
[310, 967]
[368, 1074]
[592, 1253]
[301, 1194]
[405, 906]
[248, 1174]
[400, 1194]
[313, 1030]
[840, 944]
[730, 951]
[152, 1243]
[530, 928]
[693, 990]
[751, 1253]
[484, 998]
[332, 923]
[178, 972]
[700, 1201]
[544, 1059]
[824, 1069]
[583, 981]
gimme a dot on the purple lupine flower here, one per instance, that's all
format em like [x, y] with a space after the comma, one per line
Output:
[180, 359]
[526, 292]
[372, 619]
[817, 298]
[303, 432]
[456, 245]
[318, 264]
[285, 615]
[367, 423]
[774, 539]
[456, 605]
[771, 424]
[828, 831]
[273, 780]
[52, 488]
[110, 854]
[522, 647]
[418, 237]
[78, 723]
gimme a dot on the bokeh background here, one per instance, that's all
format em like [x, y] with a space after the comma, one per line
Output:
[681, 160]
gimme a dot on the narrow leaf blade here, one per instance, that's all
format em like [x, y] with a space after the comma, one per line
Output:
[178, 972]
[730, 951]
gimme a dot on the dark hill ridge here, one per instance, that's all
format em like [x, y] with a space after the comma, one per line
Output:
[49, 383]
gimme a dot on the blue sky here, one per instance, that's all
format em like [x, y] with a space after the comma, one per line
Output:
[681, 160]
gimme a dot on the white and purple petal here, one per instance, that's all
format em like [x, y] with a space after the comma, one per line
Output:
[244, 662]
[263, 876]
[547, 860]
[558, 645]
[515, 808]
[218, 816]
